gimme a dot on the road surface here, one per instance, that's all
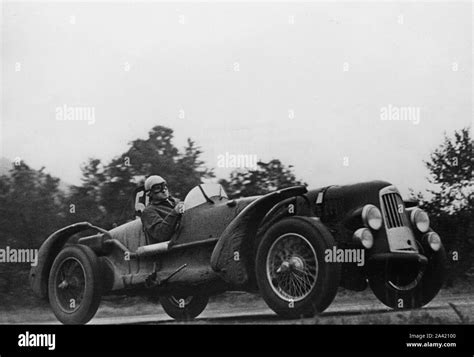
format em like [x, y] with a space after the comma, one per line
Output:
[445, 309]
[242, 308]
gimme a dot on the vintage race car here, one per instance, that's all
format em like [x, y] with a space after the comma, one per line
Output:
[289, 245]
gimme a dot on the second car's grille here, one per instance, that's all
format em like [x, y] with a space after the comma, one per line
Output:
[394, 210]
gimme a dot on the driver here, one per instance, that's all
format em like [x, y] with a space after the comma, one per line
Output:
[162, 214]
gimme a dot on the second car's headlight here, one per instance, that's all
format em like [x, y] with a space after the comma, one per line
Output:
[372, 217]
[420, 220]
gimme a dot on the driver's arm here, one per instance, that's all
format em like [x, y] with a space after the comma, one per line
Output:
[159, 222]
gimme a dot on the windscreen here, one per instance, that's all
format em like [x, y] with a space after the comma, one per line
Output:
[197, 195]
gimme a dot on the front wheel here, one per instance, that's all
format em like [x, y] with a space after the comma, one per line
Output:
[74, 286]
[406, 286]
[184, 308]
[293, 277]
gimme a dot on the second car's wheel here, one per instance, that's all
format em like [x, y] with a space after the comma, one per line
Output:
[184, 308]
[402, 285]
[74, 286]
[292, 275]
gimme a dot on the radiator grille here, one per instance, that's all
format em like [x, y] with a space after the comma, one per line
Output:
[394, 210]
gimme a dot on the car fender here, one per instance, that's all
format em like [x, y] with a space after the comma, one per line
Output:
[230, 255]
[48, 252]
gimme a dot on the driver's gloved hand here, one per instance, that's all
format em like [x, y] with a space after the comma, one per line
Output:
[179, 208]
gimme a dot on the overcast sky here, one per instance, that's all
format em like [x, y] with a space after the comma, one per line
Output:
[302, 82]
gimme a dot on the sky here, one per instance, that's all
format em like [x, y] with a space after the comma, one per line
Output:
[314, 84]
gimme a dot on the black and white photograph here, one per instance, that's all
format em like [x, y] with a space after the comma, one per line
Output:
[232, 165]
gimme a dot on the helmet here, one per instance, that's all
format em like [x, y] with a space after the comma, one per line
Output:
[153, 180]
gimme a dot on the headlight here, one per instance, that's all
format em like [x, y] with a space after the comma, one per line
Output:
[372, 217]
[420, 220]
[434, 241]
[364, 236]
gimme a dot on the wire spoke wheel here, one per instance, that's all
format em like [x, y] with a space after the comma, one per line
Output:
[70, 281]
[292, 276]
[292, 267]
[75, 285]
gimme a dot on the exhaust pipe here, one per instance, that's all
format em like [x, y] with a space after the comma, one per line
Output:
[152, 249]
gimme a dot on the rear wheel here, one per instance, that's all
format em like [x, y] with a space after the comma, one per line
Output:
[74, 286]
[293, 277]
[184, 308]
[406, 286]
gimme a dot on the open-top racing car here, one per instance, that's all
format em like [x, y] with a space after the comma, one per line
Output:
[277, 244]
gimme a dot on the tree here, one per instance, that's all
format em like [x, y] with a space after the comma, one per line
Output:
[451, 167]
[31, 208]
[107, 190]
[265, 178]
[451, 203]
[85, 202]
[31, 205]
[190, 170]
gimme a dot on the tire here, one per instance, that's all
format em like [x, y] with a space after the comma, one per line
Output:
[408, 296]
[291, 250]
[184, 308]
[74, 285]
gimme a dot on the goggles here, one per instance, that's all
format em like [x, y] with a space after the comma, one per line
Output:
[159, 187]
